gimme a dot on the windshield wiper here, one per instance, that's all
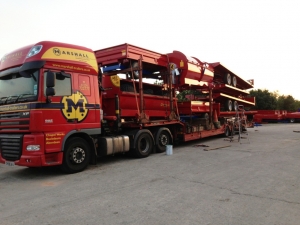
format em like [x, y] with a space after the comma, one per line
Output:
[21, 96]
[3, 100]
[9, 97]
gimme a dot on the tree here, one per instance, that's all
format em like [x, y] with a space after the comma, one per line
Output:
[287, 103]
[297, 105]
[264, 99]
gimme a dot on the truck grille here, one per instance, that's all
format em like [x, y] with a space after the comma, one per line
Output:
[11, 146]
[14, 122]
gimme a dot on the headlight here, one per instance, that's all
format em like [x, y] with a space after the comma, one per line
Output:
[33, 147]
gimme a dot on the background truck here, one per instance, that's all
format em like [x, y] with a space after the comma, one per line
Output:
[63, 104]
[275, 116]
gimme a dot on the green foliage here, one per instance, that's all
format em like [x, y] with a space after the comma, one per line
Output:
[182, 95]
[287, 103]
[266, 100]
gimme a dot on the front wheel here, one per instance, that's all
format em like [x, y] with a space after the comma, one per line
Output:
[76, 155]
[292, 120]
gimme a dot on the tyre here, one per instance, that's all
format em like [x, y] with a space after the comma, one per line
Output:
[234, 81]
[228, 105]
[235, 105]
[143, 144]
[163, 139]
[292, 120]
[76, 155]
[227, 79]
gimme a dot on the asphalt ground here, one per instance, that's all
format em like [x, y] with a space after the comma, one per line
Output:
[232, 183]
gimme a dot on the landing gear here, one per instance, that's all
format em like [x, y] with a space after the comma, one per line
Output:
[228, 132]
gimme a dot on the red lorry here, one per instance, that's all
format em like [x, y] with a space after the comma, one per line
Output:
[274, 116]
[265, 116]
[63, 104]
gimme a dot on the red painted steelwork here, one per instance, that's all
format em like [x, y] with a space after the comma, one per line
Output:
[190, 68]
[219, 72]
[117, 54]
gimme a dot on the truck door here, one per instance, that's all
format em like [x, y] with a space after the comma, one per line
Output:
[63, 94]
[58, 113]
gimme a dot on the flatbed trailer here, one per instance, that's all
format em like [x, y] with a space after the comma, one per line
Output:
[227, 88]
[275, 116]
[269, 116]
[145, 105]
[187, 120]
[292, 117]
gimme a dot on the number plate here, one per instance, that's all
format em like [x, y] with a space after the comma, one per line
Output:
[9, 163]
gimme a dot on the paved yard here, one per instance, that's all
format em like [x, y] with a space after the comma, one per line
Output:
[256, 183]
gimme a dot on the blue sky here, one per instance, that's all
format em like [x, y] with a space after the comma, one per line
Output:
[257, 39]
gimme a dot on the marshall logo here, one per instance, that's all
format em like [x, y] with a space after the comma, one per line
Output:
[59, 52]
[56, 51]
[75, 107]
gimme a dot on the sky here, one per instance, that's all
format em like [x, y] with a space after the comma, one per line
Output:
[255, 39]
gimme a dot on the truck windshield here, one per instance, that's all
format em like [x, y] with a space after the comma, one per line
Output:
[16, 88]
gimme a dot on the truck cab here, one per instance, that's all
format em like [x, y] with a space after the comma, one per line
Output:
[49, 100]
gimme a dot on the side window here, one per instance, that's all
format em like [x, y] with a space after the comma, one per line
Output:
[62, 84]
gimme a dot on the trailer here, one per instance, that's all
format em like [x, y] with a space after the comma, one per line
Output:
[72, 104]
[179, 72]
[269, 116]
[292, 117]
[275, 116]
